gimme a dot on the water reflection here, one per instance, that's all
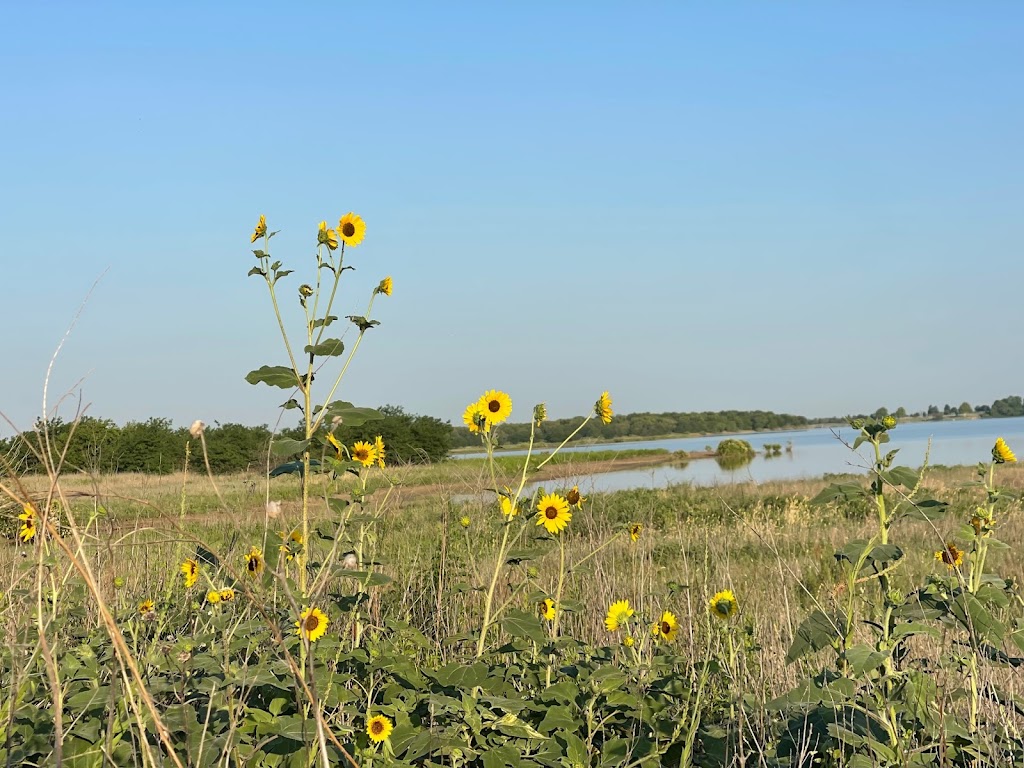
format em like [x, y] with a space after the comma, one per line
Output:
[809, 454]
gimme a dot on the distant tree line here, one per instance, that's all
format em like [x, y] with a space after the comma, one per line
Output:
[646, 425]
[155, 446]
[1007, 407]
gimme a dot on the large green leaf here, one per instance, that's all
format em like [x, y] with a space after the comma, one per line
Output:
[275, 375]
[816, 632]
[839, 492]
[326, 348]
[520, 624]
[285, 446]
[350, 415]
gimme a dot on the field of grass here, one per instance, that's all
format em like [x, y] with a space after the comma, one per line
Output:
[426, 544]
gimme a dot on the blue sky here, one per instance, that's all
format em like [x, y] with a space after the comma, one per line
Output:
[694, 206]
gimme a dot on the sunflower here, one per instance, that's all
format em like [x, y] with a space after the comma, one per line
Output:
[634, 532]
[950, 555]
[385, 286]
[618, 613]
[378, 446]
[334, 442]
[473, 418]
[146, 606]
[261, 229]
[723, 604]
[574, 498]
[305, 291]
[312, 624]
[509, 508]
[666, 627]
[364, 453]
[27, 532]
[546, 609]
[286, 548]
[496, 406]
[227, 595]
[553, 513]
[1001, 453]
[603, 408]
[378, 728]
[352, 229]
[213, 597]
[327, 236]
[628, 641]
[254, 562]
[190, 572]
[464, 521]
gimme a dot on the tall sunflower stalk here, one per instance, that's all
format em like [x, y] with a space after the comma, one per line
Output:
[300, 373]
[482, 417]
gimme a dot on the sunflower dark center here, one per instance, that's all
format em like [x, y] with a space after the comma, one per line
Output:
[551, 513]
[312, 622]
[493, 406]
[254, 564]
[348, 229]
[666, 628]
[377, 727]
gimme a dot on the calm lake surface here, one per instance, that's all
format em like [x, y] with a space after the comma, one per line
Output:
[815, 452]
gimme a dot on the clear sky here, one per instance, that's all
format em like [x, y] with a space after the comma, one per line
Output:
[808, 207]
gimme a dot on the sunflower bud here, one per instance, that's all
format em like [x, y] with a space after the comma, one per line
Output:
[540, 413]
[889, 422]
[305, 291]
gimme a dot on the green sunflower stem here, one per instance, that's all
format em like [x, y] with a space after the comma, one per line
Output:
[558, 606]
[564, 442]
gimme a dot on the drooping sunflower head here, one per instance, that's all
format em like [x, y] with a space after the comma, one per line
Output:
[574, 497]
[261, 229]
[334, 443]
[474, 419]
[378, 447]
[312, 624]
[618, 614]
[27, 531]
[723, 605]
[364, 453]
[351, 229]
[496, 406]
[254, 562]
[327, 236]
[553, 513]
[666, 626]
[509, 508]
[378, 728]
[146, 606]
[190, 572]
[1001, 453]
[227, 595]
[950, 556]
[603, 408]
[385, 286]
[213, 597]
[546, 609]
[635, 529]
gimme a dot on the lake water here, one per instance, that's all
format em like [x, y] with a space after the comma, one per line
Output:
[815, 452]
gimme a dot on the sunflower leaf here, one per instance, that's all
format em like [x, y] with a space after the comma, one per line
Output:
[274, 375]
[326, 348]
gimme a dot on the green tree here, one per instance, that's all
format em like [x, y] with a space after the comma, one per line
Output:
[965, 407]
